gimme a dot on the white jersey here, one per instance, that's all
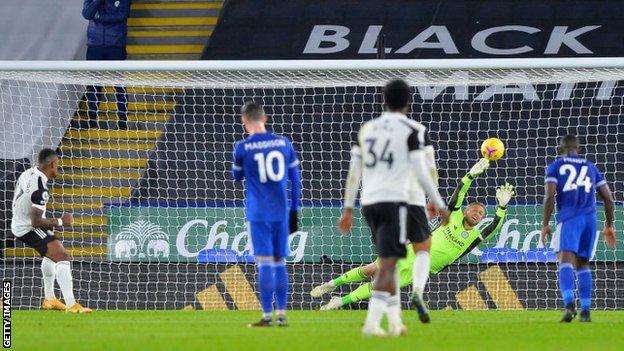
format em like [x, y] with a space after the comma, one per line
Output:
[416, 194]
[30, 191]
[385, 144]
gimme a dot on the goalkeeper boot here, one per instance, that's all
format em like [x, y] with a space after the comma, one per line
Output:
[369, 330]
[333, 304]
[585, 317]
[570, 313]
[53, 304]
[78, 308]
[421, 307]
[264, 322]
[323, 289]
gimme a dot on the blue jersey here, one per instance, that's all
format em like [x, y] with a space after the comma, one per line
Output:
[577, 180]
[265, 161]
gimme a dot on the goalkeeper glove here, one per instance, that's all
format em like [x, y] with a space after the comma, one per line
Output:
[504, 194]
[479, 168]
[293, 221]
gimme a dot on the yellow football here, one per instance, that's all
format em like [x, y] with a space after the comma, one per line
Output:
[492, 149]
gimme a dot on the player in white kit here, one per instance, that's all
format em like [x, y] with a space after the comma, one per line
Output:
[30, 226]
[390, 151]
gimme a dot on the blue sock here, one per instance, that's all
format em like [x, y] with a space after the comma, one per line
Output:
[281, 285]
[566, 282]
[584, 277]
[267, 286]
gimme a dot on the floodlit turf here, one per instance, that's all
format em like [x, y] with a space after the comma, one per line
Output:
[311, 330]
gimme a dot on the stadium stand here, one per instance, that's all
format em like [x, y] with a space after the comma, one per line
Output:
[161, 29]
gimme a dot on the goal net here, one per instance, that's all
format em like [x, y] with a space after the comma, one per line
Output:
[159, 223]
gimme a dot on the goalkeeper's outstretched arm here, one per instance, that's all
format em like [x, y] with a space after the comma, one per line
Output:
[457, 199]
[503, 195]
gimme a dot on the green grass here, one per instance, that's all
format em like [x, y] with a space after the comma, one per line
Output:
[311, 330]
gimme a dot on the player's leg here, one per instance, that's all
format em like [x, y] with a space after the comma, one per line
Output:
[586, 249]
[62, 270]
[568, 235]
[391, 244]
[281, 251]
[38, 239]
[419, 235]
[354, 275]
[262, 243]
[379, 299]
[363, 292]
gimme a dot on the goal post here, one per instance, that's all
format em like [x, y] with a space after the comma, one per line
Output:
[159, 224]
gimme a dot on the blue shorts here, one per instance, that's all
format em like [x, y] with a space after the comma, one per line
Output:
[578, 235]
[269, 238]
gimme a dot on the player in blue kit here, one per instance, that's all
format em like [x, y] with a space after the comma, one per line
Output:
[267, 161]
[574, 181]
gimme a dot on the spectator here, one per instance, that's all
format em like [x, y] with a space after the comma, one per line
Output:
[106, 40]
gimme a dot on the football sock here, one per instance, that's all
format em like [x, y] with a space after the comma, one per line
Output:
[377, 307]
[352, 276]
[584, 277]
[266, 281]
[281, 286]
[420, 271]
[566, 283]
[64, 279]
[362, 292]
[47, 269]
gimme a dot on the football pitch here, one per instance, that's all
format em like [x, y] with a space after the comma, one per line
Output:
[311, 330]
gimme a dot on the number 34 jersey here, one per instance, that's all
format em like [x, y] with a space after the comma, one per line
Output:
[384, 146]
[264, 160]
[577, 180]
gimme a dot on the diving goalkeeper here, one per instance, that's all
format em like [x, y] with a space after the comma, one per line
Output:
[449, 243]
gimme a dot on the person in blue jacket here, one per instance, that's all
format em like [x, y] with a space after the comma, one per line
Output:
[106, 40]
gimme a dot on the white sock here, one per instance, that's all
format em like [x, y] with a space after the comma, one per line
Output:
[64, 279]
[420, 271]
[393, 311]
[47, 270]
[281, 313]
[377, 307]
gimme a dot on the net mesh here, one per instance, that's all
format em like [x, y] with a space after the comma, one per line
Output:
[159, 223]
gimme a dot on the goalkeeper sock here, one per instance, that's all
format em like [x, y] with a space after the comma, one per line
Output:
[281, 286]
[362, 292]
[566, 283]
[352, 276]
[47, 269]
[420, 271]
[266, 282]
[377, 308]
[64, 279]
[584, 283]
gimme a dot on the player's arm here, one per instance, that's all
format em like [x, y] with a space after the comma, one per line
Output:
[421, 166]
[295, 190]
[39, 198]
[351, 189]
[237, 166]
[550, 191]
[457, 199]
[604, 192]
[503, 196]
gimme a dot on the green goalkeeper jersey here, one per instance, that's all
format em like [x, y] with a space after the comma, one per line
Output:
[450, 242]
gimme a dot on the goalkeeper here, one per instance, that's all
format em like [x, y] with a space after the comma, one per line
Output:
[449, 242]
